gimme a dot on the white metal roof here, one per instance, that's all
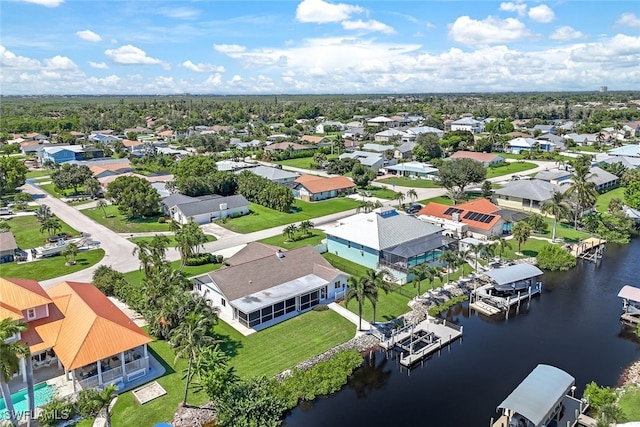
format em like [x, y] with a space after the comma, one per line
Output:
[513, 273]
[629, 292]
[539, 393]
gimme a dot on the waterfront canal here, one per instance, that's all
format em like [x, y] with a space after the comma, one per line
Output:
[573, 325]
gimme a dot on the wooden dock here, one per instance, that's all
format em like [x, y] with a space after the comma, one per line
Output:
[630, 319]
[416, 342]
[591, 249]
[484, 301]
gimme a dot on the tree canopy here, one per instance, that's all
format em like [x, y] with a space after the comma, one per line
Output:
[134, 196]
[71, 176]
[456, 174]
[12, 174]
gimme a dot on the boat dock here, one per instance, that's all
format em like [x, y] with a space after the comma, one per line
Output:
[591, 249]
[630, 305]
[415, 342]
[484, 301]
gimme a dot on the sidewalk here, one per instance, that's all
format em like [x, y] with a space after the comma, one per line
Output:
[351, 317]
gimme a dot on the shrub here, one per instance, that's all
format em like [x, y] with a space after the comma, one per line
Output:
[599, 396]
[162, 220]
[434, 311]
[56, 412]
[200, 260]
[321, 307]
[537, 223]
[219, 259]
[88, 403]
[554, 258]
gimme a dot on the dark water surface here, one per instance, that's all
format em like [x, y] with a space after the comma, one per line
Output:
[573, 325]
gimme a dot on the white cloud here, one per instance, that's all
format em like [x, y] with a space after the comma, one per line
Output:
[488, 31]
[565, 33]
[368, 26]
[229, 48]
[130, 55]
[519, 8]
[89, 36]
[542, 13]
[321, 12]
[46, 3]
[179, 12]
[430, 25]
[61, 63]
[202, 68]
[9, 59]
[629, 20]
[98, 65]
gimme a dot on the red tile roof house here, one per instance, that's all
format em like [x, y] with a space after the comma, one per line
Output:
[311, 188]
[73, 329]
[478, 218]
[487, 159]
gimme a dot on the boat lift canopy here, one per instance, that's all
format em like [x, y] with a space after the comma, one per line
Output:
[513, 273]
[630, 293]
[537, 396]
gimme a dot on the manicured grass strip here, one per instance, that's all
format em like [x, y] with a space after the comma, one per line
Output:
[51, 189]
[630, 403]
[507, 168]
[172, 239]
[282, 346]
[565, 231]
[26, 230]
[315, 239]
[49, 268]
[379, 192]
[128, 412]
[302, 162]
[262, 218]
[411, 183]
[135, 277]
[39, 173]
[603, 200]
[118, 223]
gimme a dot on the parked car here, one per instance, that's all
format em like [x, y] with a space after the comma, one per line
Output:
[414, 208]
[6, 211]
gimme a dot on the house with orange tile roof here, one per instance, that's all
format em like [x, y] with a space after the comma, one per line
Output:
[108, 169]
[75, 330]
[478, 218]
[310, 139]
[487, 159]
[312, 188]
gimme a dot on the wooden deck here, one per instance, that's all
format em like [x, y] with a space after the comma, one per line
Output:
[630, 319]
[419, 341]
[590, 248]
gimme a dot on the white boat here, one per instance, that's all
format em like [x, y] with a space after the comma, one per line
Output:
[56, 248]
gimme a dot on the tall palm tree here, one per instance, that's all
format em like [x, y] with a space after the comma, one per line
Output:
[375, 280]
[463, 257]
[419, 274]
[50, 225]
[188, 336]
[502, 244]
[102, 204]
[476, 249]
[399, 196]
[412, 195]
[102, 399]
[432, 274]
[10, 353]
[521, 232]
[557, 206]
[450, 258]
[43, 213]
[358, 289]
[305, 226]
[188, 237]
[583, 190]
[289, 231]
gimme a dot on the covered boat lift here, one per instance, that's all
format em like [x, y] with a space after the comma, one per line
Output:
[630, 304]
[541, 398]
[514, 278]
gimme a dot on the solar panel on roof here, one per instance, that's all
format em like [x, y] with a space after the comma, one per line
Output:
[451, 211]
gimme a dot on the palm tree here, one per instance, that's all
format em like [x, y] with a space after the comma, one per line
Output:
[289, 231]
[375, 280]
[558, 207]
[432, 274]
[399, 196]
[305, 226]
[188, 237]
[10, 353]
[412, 195]
[102, 399]
[43, 213]
[583, 190]
[70, 251]
[450, 258]
[419, 274]
[476, 249]
[102, 204]
[188, 336]
[50, 225]
[502, 244]
[360, 290]
[521, 232]
[463, 257]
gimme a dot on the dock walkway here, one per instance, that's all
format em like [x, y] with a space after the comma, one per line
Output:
[590, 249]
[484, 301]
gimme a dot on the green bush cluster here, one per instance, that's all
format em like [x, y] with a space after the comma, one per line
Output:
[599, 396]
[61, 409]
[554, 258]
[434, 311]
[162, 220]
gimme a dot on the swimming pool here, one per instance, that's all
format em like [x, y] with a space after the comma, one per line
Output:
[43, 393]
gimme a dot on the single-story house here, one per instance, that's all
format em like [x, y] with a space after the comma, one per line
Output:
[404, 151]
[283, 146]
[389, 135]
[525, 194]
[204, 209]
[630, 150]
[107, 169]
[273, 174]
[582, 138]
[232, 165]
[310, 139]
[8, 247]
[412, 169]
[353, 133]
[235, 142]
[106, 180]
[270, 286]
[138, 130]
[386, 239]
[378, 148]
[468, 124]
[322, 127]
[62, 154]
[545, 128]
[105, 139]
[602, 179]
[558, 141]
[626, 161]
[413, 132]
[132, 146]
[30, 147]
[312, 188]
[487, 159]
[74, 327]
[372, 160]
[380, 121]
[480, 217]
[517, 145]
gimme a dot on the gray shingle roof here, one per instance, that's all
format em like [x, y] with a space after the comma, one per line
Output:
[273, 174]
[199, 207]
[532, 189]
[7, 241]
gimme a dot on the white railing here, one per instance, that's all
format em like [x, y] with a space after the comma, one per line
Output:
[91, 382]
[135, 365]
[111, 374]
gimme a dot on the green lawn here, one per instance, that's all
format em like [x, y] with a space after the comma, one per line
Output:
[26, 230]
[51, 189]
[440, 199]
[262, 218]
[282, 346]
[585, 149]
[402, 181]
[280, 240]
[565, 231]
[49, 268]
[172, 239]
[529, 249]
[379, 192]
[38, 173]
[507, 168]
[603, 200]
[630, 403]
[118, 223]
[302, 162]
[135, 277]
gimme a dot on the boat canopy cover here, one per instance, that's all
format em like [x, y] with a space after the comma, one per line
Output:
[629, 292]
[513, 273]
[539, 393]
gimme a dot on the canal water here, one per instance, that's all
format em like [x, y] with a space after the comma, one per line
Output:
[573, 325]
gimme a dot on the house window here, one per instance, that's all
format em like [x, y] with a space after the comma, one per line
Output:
[31, 313]
[198, 286]
[337, 285]
[223, 302]
[290, 305]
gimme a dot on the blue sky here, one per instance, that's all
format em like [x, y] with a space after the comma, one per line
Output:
[316, 46]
